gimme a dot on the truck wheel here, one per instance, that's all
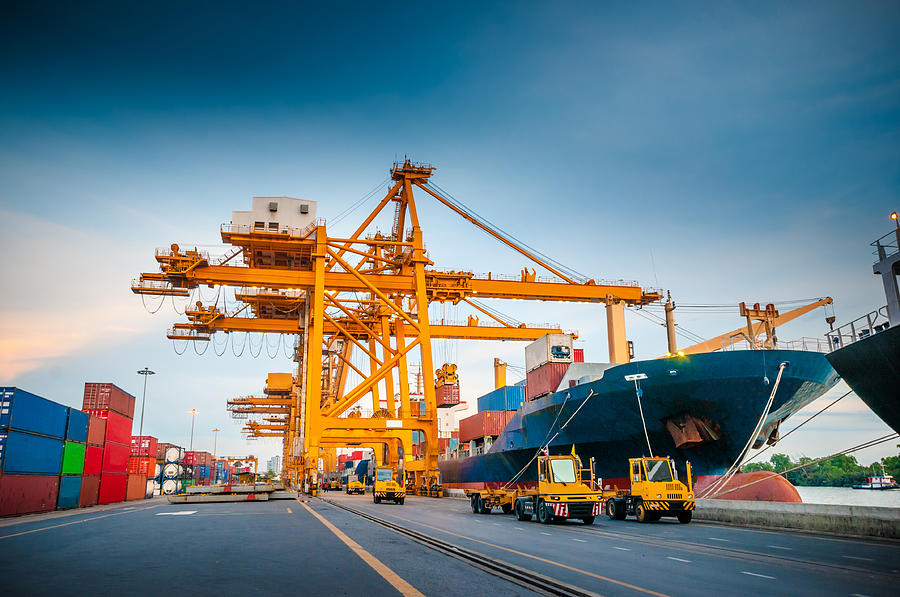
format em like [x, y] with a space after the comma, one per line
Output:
[642, 514]
[507, 508]
[615, 509]
[588, 520]
[485, 509]
[377, 499]
[400, 501]
[685, 517]
[543, 516]
[520, 512]
[474, 503]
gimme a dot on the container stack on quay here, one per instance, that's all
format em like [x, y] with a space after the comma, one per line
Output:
[170, 461]
[141, 467]
[116, 407]
[93, 462]
[74, 449]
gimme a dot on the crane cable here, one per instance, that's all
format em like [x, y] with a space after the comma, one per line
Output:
[720, 483]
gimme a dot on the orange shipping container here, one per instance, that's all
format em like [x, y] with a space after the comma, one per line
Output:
[136, 488]
[447, 395]
[141, 465]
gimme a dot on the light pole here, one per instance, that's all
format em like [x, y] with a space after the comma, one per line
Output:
[193, 412]
[215, 440]
[145, 372]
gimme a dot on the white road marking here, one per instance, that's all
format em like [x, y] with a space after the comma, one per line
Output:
[496, 524]
[621, 548]
[181, 513]
[127, 507]
[580, 540]
[857, 558]
[519, 528]
[858, 595]
[548, 534]
[780, 547]
[717, 539]
[759, 575]
[678, 559]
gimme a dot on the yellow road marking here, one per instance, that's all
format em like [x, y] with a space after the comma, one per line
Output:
[538, 558]
[389, 575]
[289, 511]
[65, 524]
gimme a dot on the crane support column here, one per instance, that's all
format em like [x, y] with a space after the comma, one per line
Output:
[499, 374]
[670, 325]
[314, 362]
[615, 326]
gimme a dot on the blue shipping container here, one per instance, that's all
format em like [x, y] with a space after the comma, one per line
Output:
[26, 453]
[24, 411]
[77, 427]
[454, 443]
[505, 398]
[203, 471]
[69, 492]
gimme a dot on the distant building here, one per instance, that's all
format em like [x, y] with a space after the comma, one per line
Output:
[273, 465]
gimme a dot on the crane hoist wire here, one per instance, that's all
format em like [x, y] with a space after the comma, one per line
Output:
[685, 333]
[358, 203]
[487, 223]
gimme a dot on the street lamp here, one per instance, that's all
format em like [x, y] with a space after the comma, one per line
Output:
[215, 440]
[894, 217]
[145, 372]
[193, 412]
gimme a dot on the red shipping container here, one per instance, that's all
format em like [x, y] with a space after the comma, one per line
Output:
[115, 458]
[144, 445]
[447, 395]
[578, 355]
[443, 444]
[106, 396]
[141, 465]
[20, 494]
[118, 427]
[357, 455]
[488, 422]
[93, 460]
[96, 431]
[455, 434]
[112, 488]
[135, 487]
[544, 379]
[190, 458]
[90, 490]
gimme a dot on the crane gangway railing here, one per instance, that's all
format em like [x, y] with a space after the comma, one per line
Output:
[292, 231]
[495, 324]
[383, 413]
[888, 245]
[804, 343]
[859, 329]
[518, 278]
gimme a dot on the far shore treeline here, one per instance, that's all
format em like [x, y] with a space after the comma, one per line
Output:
[840, 471]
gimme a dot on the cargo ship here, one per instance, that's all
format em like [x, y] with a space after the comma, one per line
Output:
[867, 350]
[703, 408]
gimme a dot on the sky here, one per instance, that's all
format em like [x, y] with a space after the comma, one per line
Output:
[724, 152]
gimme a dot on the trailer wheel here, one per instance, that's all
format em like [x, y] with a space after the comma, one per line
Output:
[520, 512]
[507, 508]
[642, 514]
[685, 517]
[588, 520]
[615, 509]
[485, 509]
[473, 501]
[543, 516]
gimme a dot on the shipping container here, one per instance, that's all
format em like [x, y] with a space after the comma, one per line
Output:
[93, 460]
[96, 431]
[544, 379]
[141, 465]
[115, 458]
[447, 395]
[170, 471]
[505, 398]
[151, 488]
[170, 486]
[24, 411]
[118, 427]
[135, 487]
[69, 493]
[21, 494]
[144, 445]
[552, 348]
[112, 487]
[483, 424]
[90, 490]
[169, 453]
[73, 459]
[577, 355]
[28, 453]
[77, 425]
[107, 396]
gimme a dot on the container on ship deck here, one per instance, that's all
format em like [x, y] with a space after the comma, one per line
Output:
[486, 423]
[505, 398]
[96, 431]
[544, 380]
[447, 395]
[118, 427]
[112, 488]
[115, 458]
[552, 348]
[577, 355]
[30, 454]
[73, 459]
[135, 487]
[144, 445]
[21, 494]
[107, 396]
[24, 411]
[93, 460]
[90, 490]
[77, 425]
[69, 493]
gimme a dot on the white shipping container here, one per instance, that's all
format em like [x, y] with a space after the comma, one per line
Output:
[552, 348]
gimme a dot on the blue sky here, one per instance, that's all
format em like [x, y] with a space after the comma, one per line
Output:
[726, 152]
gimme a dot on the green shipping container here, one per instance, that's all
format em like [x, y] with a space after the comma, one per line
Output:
[73, 459]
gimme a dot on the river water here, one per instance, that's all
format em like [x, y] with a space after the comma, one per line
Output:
[849, 496]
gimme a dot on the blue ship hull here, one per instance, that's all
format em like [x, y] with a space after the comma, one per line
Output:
[728, 390]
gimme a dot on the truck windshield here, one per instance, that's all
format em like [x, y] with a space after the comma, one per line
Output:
[563, 471]
[658, 471]
[351, 478]
[383, 474]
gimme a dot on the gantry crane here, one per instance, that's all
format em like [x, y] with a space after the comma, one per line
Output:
[367, 293]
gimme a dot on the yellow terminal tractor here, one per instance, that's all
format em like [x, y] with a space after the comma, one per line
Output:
[387, 487]
[655, 492]
[354, 485]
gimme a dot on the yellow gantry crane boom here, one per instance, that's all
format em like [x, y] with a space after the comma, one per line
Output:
[367, 295]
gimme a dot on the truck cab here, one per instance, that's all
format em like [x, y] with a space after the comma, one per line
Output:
[655, 492]
[561, 493]
[355, 485]
[387, 487]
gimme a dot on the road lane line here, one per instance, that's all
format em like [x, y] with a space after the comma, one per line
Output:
[386, 573]
[65, 524]
[534, 557]
[759, 575]
[580, 540]
[678, 559]
[548, 534]
[781, 547]
[179, 513]
[857, 558]
[717, 539]
[621, 548]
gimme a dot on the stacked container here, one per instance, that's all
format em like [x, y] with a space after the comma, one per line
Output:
[546, 361]
[32, 436]
[107, 401]
[93, 462]
[171, 468]
[74, 450]
[505, 398]
[489, 423]
[141, 467]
